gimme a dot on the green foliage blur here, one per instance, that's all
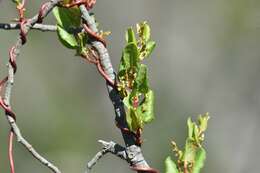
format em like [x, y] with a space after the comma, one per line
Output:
[192, 158]
[206, 60]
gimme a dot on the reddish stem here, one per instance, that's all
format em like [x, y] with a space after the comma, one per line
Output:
[40, 15]
[12, 59]
[144, 169]
[22, 20]
[88, 3]
[94, 35]
[103, 73]
[10, 151]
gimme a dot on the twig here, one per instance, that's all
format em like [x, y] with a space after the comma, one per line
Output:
[108, 147]
[10, 151]
[39, 27]
[11, 70]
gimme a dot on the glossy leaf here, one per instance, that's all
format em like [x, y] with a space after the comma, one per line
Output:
[66, 38]
[67, 18]
[199, 160]
[170, 166]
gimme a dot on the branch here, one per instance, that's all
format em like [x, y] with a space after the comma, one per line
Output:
[37, 26]
[14, 53]
[133, 151]
[108, 147]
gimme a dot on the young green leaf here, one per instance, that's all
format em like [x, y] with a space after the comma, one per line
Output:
[149, 48]
[17, 1]
[189, 152]
[203, 122]
[170, 166]
[66, 38]
[199, 160]
[146, 110]
[67, 18]
[130, 36]
[190, 128]
[141, 81]
[129, 57]
[196, 133]
[144, 31]
[133, 120]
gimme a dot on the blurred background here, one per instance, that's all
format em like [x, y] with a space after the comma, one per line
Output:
[207, 60]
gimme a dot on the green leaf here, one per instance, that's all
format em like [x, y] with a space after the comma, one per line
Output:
[170, 166]
[203, 122]
[149, 48]
[133, 120]
[199, 160]
[189, 152]
[66, 38]
[130, 36]
[67, 18]
[146, 109]
[144, 31]
[141, 81]
[196, 133]
[129, 57]
[82, 40]
[190, 128]
[17, 1]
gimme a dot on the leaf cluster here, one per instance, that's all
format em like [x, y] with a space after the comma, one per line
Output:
[191, 159]
[68, 21]
[133, 82]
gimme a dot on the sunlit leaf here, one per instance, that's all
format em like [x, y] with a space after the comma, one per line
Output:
[130, 36]
[190, 128]
[149, 48]
[144, 31]
[189, 152]
[196, 133]
[66, 38]
[129, 57]
[199, 160]
[203, 122]
[67, 18]
[141, 81]
[17, 1]
[146, 109]
[170, 166]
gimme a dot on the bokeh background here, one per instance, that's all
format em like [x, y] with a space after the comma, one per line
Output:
[207, 60]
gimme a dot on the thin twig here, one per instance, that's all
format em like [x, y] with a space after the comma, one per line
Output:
[37, 26]
[11, 70]
[108, 147]
[10, 151]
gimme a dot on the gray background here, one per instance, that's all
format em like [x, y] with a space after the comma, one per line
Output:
[206, 60]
